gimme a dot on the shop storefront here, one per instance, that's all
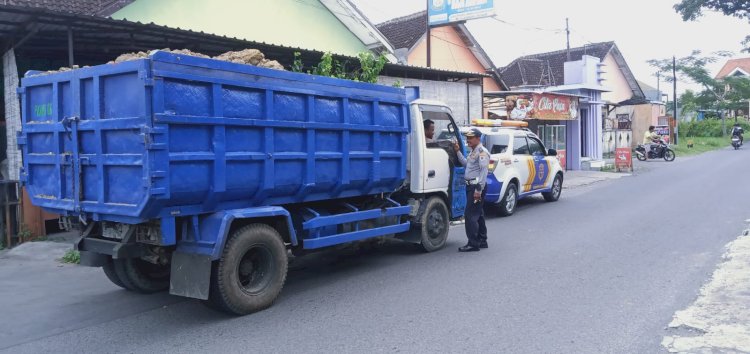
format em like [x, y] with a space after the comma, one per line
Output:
[551, 116]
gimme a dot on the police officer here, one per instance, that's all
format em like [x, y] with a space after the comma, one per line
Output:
[477, 167]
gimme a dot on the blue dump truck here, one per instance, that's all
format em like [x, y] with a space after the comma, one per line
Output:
[202, 176]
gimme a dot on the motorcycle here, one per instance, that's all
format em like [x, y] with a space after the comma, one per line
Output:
[736, 141]
[660, 150]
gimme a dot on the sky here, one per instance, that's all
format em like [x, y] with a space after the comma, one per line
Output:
[642, 29]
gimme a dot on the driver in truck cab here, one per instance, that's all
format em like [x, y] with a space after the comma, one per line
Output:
[477, 168]
[429, 131]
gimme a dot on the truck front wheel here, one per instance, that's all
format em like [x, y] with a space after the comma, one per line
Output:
[251, 271]
[435, 225]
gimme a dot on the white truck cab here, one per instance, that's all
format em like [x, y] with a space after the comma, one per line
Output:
[433, 166]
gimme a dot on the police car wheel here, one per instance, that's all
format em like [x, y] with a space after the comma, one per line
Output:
[435, 224]
[509, 201]
[554, 194]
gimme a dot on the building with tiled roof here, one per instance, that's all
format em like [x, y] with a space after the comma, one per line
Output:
[453, 47]
[735, 67]
[78, 7]
[548, 69]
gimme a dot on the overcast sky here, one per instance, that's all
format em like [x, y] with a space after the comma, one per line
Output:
[642, 29]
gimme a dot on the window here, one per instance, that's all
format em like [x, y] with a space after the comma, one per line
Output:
[498, 144]
[536, 147]
[445, 130]
[520, 147]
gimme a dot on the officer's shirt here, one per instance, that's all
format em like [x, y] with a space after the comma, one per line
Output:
[477, 165]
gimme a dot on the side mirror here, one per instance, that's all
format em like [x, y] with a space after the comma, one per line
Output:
[552, 152]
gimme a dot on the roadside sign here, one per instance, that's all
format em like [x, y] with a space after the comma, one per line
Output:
[441, 12]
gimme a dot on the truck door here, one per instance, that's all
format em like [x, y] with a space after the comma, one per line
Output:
[441, 170]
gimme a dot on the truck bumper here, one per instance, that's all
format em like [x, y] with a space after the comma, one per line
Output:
[96, 252]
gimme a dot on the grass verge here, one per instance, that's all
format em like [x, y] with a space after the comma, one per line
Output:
[700, 145]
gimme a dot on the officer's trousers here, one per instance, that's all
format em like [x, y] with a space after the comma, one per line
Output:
[476, 230]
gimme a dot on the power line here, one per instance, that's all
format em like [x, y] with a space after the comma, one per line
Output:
[532, 28]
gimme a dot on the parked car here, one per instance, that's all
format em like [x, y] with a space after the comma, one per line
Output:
[520, 166]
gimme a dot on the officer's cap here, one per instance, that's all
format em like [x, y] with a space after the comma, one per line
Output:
[474, 132]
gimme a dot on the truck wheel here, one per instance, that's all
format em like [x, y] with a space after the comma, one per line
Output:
[140, 276]
[509, 201]
[111, 273]
[251, 271]
[554, 194]
[435, 224]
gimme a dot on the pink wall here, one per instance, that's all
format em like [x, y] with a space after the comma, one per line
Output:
[449, 53]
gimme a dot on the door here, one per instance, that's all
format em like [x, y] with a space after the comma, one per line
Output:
[540, 169]
[441, 169]
[554, 137]
[522, 162]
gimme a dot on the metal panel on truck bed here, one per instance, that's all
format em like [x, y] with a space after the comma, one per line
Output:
[179, 135]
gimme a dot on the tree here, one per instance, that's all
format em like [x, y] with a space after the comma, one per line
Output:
[720, 94]
[691, 10]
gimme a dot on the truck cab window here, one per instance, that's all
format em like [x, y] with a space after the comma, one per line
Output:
[445, 131]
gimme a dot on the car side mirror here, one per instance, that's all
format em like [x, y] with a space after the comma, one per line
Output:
[552, 152]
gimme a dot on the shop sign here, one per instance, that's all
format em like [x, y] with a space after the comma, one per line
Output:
[442, 12]
[662, 130]
[542, 106]
[623, 160]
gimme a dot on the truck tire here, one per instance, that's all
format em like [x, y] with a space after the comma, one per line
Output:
[140, 276]
[251, 271]
[111, 273]
[435, 223]
[510, 200]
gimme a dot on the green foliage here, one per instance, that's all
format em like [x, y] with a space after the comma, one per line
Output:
[72, 257]
[297, 64]
[709, 128]
[24, 233]
[325, 67]
[700, 145]
[725, 93]
[370, 67]
[2, 245]
[398, 84]
[691, 10]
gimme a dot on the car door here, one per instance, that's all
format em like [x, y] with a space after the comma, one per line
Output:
[540, 163]
[522, 162]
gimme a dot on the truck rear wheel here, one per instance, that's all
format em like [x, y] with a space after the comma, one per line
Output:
[141, 276]
[251, 271]
[111, 273]
[435, 225]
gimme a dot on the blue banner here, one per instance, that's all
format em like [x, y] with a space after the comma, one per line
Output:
[443, 12]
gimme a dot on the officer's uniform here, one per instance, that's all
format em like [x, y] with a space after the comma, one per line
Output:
[477, 167]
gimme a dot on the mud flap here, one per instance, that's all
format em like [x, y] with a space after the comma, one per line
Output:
[191, 275]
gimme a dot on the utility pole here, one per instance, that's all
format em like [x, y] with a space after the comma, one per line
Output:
[658, 85]
[567, 35]
[674, 99]
[429, 46]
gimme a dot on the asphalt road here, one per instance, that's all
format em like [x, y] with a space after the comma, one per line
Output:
[602, 270]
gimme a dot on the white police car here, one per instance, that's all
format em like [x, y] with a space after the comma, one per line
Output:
[520, 166]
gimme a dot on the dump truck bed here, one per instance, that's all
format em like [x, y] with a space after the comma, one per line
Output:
[175, 135]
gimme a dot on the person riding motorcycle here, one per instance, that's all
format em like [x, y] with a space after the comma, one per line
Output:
[737, 131]
[649, 138]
